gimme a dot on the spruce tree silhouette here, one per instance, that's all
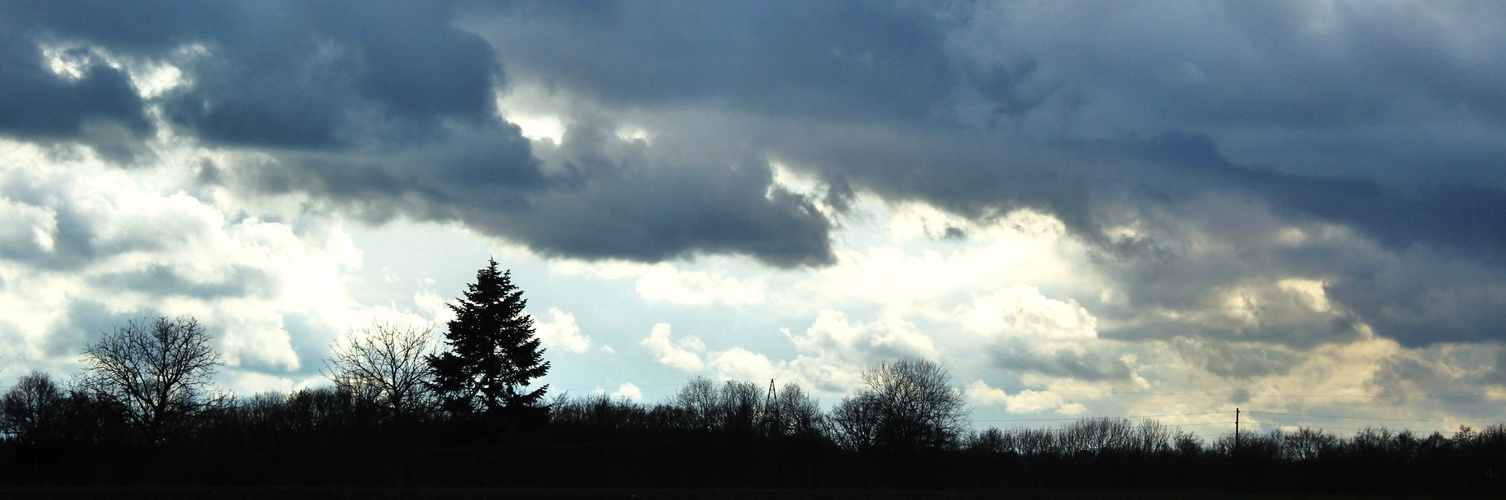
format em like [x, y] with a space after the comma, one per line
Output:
[492, 354]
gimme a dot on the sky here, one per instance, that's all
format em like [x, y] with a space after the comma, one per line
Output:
[1297, 209]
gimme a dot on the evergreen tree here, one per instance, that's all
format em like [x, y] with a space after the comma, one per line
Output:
[492, 351]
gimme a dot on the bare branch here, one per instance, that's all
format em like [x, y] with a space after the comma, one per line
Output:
[158, 370]
[384, 365]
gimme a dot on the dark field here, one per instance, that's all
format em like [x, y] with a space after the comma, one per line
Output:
[603, 494]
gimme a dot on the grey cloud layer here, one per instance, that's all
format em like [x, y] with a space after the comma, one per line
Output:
[291, 74]
[1222, 74]
[1383, 120]
[35, 103]
[1307, 111]
[388, 110]
[844, 60]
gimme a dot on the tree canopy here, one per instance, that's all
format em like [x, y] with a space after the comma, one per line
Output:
[491, 350]
[160, 371]
[903, 406]
[385, 365]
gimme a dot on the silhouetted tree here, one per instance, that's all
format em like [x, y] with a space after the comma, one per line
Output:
[32, 410]
[741, 406]
[903, 406]
[856, 420]
[796, 413]
[599, 411]
[1307, 444]
[735, 407]
[1187, 444]
[700, 405]
[384, 365]
[492, 351]
[990, 440]
[1107, 434]
[158, 372]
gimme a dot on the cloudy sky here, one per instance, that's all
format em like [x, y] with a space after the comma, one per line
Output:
[1149, 208]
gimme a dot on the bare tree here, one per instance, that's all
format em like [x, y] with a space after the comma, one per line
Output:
[734, 407]
[796, 413]
[701, 404]
[1152, 437]
[741, 407]
[385, 365]
[990, 440]
[1187, 444]
[856, 420]
[1307, 444]
[904, 406]
[32, 408]
[159, 372]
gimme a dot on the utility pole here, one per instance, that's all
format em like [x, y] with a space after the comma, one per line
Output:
[771, 410]
[775, 427]
[1236, 431]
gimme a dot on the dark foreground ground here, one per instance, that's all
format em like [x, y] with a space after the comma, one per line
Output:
[239, 493]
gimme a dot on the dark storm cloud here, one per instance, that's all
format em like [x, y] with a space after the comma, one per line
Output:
[1457, 216]
[829, 60]
[668, 199]
[1450, 378]
[607, 197]
[1388, 120]
[970, 172]
[164, 281]
[465, 169]
[37, 103]
[1228, 74]
[1440, 279]
[328, 74]
[1242, 360]
[1426, 298]
[388, 110]
[294, 74]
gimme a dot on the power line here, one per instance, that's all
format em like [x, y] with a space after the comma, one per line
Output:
[1172, 393]
[569, 389]
[1247, 395]
[1323, 428]
[1143, 393]
[1376, 418]
[1083, 418]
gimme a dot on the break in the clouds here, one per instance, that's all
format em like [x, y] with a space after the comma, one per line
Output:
[1068, 197]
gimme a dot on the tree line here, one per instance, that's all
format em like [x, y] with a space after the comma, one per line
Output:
[402, 410]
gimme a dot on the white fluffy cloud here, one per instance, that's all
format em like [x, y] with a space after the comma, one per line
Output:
[741, 364]
[834, 336]
[628, 391]
[910, 276]
[89, 246]
[561, 332]
[1026, 401]
[1022, 310]
[26, 228]
[830, 353]
[684, 354]
[663, 282]
[690, 354]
